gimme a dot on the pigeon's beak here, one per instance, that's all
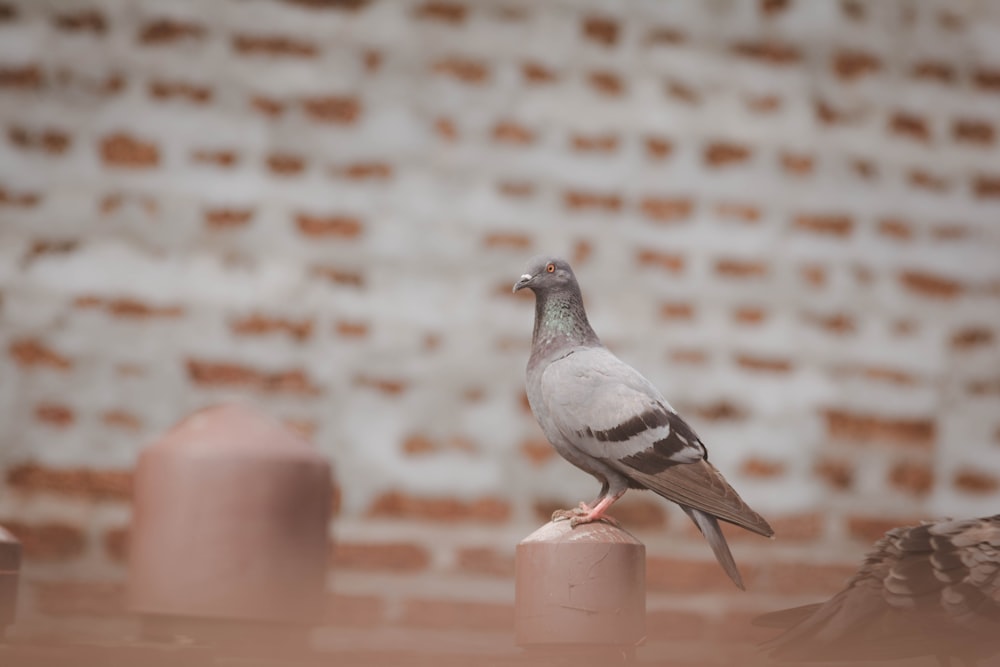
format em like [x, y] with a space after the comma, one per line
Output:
[522, 282]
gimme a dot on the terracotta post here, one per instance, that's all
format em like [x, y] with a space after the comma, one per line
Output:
[230, 523]
[581, 592]
[10, 566]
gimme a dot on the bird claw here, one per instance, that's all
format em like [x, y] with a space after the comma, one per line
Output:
[586, 518]
[563, 515]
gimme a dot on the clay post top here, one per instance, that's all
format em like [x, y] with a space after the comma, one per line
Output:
[580, 587]
[598, 532]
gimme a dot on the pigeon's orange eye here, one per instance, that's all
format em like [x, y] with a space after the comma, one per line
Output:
[550, 268]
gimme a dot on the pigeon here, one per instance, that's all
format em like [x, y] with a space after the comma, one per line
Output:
[605, 418]
[927, 590]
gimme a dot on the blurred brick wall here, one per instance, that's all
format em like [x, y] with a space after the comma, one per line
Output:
[784, 213]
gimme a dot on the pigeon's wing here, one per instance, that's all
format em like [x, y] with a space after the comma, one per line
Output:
[929, 589]
[607, 410]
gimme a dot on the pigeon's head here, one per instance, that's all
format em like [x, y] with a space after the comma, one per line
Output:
[545, 274]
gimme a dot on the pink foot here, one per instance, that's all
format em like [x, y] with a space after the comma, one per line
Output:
[579, 510]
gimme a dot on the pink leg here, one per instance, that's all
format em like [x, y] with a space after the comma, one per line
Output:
[596, 513]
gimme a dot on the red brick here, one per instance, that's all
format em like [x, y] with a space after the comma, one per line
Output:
[772, 53]
[582, 250]
[78, 482]
[509, 132]
[668, 35]
[975, 482]
[762, 104]
[354, 610]
[806, 578]
[973, 131]
[688, 356]
[866, 428]
[446, 129]
[913, 477]
[397, 505]
[724, 154]
[762, 468]
[886, 374]
[797, 164]
[47, 542]
[121, 419]
[125, 307]
[910, 125]
[719, 411]
[27, 77]
[868, 529]
[661, 260]
[48, 140]
[641, 512]
[286, 164]
[331, 5]
[682, 575]
[606, 82]
[987, 79]
[738, 211]
[339, 276]
[457, 615]
[54, 414]
[166, 31]
[740, 268]
[258, 325]
[19, 199]
[658, 148]
[832, 224]
[795, 527]
[442, 12]
[79, 598]
[986, 187]
[516, 189]
[123, 150]
[930, 285]
[595, 143]
[667, 209]
[225, 159]
[677, 310]
[837, 474]
[536, 73]
[764, 364]
[116, 543]
[584, 199]
[227, 218]
[930, 70]
[31, 353]
[385, 556]
[925, 180]
[334, 109]
[186, 92]
[417, 444]
[387, 386]
[268, 106]
[485, 561]
[464, 70]
[851, 65]
[537, 452]
[950, 232]
[751, 315]
[328, 226]
[274, 46]
[350, 329]
[206, 373]
[895, 228]
[682, 92]
[865, 169]
[601, 30]
[971, 337]
[365, 171]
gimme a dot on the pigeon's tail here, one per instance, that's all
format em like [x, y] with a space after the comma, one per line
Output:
[709, 527]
